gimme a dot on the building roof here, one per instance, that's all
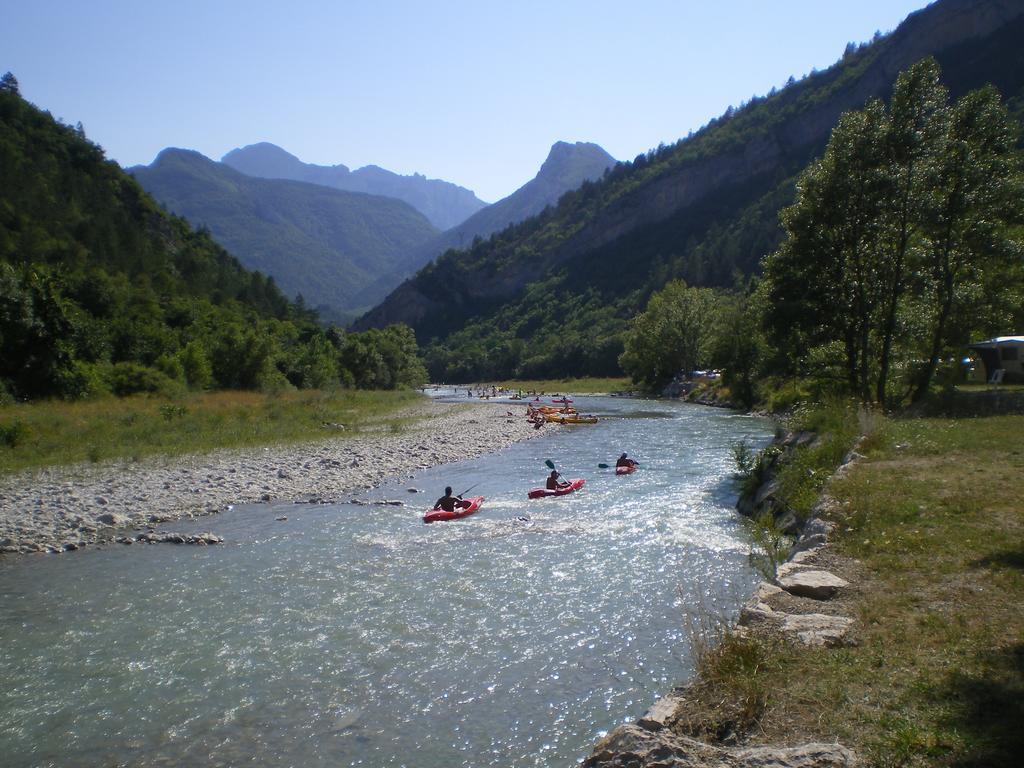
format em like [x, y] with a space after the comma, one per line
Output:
[997, 341]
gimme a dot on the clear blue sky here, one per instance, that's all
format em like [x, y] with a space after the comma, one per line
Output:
[474, 92]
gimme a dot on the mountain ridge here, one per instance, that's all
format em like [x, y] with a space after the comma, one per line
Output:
[443, 203]
[701, 209]
[340, 250]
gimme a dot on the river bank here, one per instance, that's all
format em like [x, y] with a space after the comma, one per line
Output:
[893, 630]
[63, 508]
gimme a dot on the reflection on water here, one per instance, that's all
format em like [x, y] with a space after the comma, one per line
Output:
[357, 635]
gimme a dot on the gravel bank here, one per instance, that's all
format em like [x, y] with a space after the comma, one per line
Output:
[64, 508]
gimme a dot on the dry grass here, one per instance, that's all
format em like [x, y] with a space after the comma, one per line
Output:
[57, 432]
[932, 523]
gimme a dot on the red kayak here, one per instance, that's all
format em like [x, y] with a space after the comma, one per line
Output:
[627, 470]
[433, 515]
[540, 493]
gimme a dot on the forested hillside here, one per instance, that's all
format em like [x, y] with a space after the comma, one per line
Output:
[101, 291]
[553, 295]
[444, 204]
[342, 251]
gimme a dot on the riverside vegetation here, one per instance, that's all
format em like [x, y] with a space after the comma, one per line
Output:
[102, 292]
[929, 528]
[34, 435]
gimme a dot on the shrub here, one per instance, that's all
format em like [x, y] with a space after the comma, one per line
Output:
[83, 381]
[131, 378]
[12, 435]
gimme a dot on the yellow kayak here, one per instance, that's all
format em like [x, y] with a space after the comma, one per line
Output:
[575, 418]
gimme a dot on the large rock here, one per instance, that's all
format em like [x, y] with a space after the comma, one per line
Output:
[655, 718]
[630, 746]
[818, 628]
[820, 585]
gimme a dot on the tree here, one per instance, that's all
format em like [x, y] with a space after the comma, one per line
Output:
[669, 335]
[9, 84]
[906, 209]
[977, 186]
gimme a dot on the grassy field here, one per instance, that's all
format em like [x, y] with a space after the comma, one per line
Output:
[931, 523]
[55, 432]
[571, 386]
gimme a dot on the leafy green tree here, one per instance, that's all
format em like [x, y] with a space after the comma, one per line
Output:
[976, 192]
[907, 210]
[735, 344]
[669, 335]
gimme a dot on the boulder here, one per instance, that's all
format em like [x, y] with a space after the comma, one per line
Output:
[818, 527]
[818, 628]
[757, 613]
[810, 542]
[819, 585]
[655, 718]
[630, 746]
[793, 566]
[766, 492]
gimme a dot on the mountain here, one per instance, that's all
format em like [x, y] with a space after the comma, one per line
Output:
[100, 290]
[443, 203]
[567, 166]
[339, 250]
[551, 296]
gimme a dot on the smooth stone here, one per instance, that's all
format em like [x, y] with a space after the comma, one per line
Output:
[819, 585]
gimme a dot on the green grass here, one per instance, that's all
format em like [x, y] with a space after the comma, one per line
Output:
[584, 386]
[932, 524]
[55, 432]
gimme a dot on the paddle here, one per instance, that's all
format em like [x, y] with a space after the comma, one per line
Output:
[551, 465]
[468, 489]
[606, 466]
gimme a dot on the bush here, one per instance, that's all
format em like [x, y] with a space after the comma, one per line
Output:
[83, 381]
[195, 363]
[132, 378]
[12, 435]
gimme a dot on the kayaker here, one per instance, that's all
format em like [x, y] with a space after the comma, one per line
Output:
[624, 462]
[448, 502]
[555, 481]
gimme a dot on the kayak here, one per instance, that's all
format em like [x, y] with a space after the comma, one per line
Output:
[575, 418]
[435, 515]
[540, 493]
[562, 400]
[625, 470]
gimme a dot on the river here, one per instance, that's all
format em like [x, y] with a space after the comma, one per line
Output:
[352, 635]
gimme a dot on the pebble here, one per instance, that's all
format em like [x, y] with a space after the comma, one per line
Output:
[44, 510]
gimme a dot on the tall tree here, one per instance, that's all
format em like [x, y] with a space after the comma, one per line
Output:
[907, 206]
[976, 189]
[669, 336]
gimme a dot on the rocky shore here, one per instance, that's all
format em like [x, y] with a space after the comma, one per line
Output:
[65, 508]
[805, 602]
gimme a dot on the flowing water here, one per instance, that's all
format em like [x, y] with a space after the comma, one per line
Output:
[353, 635]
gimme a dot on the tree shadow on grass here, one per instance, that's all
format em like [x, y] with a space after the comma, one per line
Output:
[1008, 559]
[988, 710]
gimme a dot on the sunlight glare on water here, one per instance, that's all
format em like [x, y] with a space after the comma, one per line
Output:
[357, 635]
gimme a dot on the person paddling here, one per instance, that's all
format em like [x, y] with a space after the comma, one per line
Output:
[555, 481]
[625, 462]
[448, 502]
